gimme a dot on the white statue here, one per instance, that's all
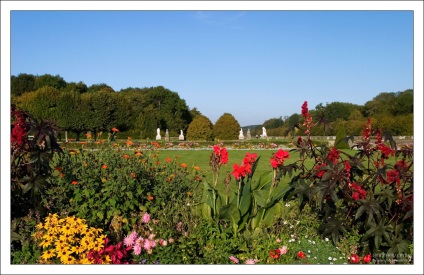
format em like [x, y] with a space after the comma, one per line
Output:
[181, 132]
[263, 132]
[181, 137]
[241, 136]
[158, 137]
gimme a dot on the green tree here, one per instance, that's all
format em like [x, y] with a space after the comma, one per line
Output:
[200, 128]
[21, 84]
[49, 80]
[79, 87]
[99, 87]
[42, 103]
[340, 142]
[273, 123]
[226, 127]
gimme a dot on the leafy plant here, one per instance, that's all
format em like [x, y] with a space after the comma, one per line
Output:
[361, 191]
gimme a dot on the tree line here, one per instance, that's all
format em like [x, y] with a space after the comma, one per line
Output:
[76, 107]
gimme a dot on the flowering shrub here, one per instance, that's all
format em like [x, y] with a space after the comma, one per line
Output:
[69, 241]
[362, 191]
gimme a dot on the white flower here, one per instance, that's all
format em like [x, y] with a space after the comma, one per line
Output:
[287, 205]
[326, 239]
[285, 222]
[313, 242]
[329, 258]
[291, 226]
[334, 259]
[309, 251]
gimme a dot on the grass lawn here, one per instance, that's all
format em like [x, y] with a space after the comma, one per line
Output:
[201, 158]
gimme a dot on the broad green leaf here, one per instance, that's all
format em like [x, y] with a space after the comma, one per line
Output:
[245, 200]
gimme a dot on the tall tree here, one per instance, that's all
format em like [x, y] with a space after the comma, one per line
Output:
[49, 80]
[21, 84]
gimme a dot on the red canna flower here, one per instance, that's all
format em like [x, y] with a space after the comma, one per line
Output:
[115, 130]
[104, 166]
[300, 254]
[278, 158]
[74, 182]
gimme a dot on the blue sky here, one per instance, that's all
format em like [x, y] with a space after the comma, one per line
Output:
[255, 65]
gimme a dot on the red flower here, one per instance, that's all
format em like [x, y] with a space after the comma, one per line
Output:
[333, 156]
[392, 175]
[347, 166]
[320, 171]
[168, 159]
[104, 166]
[367, 258]
[305, 111]
[74, 182]
[278, 158]
[274, 254]
[221, 153]
[300, 254]
[354, 259]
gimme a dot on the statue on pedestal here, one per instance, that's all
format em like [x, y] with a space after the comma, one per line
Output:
[158, 137]
[181, 137]
[263, 132]
[166, 135]
[241, 136]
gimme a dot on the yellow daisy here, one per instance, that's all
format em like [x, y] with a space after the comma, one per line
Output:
[48, 254]
[68, 260]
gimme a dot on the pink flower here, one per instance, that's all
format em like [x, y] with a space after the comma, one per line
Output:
[137, 249]
[146, 218]
[179, 226]
[283, 250]
[147, 244]
[162, 242]
[251, 261]
[130, 239]
[171, 240]
[234, 259]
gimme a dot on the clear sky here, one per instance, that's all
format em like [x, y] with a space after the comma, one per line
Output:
[255, 65]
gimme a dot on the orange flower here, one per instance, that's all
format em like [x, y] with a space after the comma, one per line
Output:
[60, 175]
[150, 197]
[126, 156]
[104, 166]
[196, 168]
[74, 182]
[129, 143]
[133, 175]
[115, 130]
[58, 168]
[183, 165]
[168, 159]
[115, 144]
[138, 153]
[97, 142]
[102, 140]
[83, 142]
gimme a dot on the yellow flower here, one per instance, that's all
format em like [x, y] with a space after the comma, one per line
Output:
[45, 243]
[68, 260]
[64, 254]
[97, 246]
[48, 254]
[67, 229]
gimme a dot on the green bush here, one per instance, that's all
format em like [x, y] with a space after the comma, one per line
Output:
[226, 128]
[200, 129]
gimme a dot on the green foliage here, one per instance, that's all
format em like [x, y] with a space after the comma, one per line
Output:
[226, 127]
[360, 192]
[341, 142]
[200, 129]
[48, 80]
[21, 84]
